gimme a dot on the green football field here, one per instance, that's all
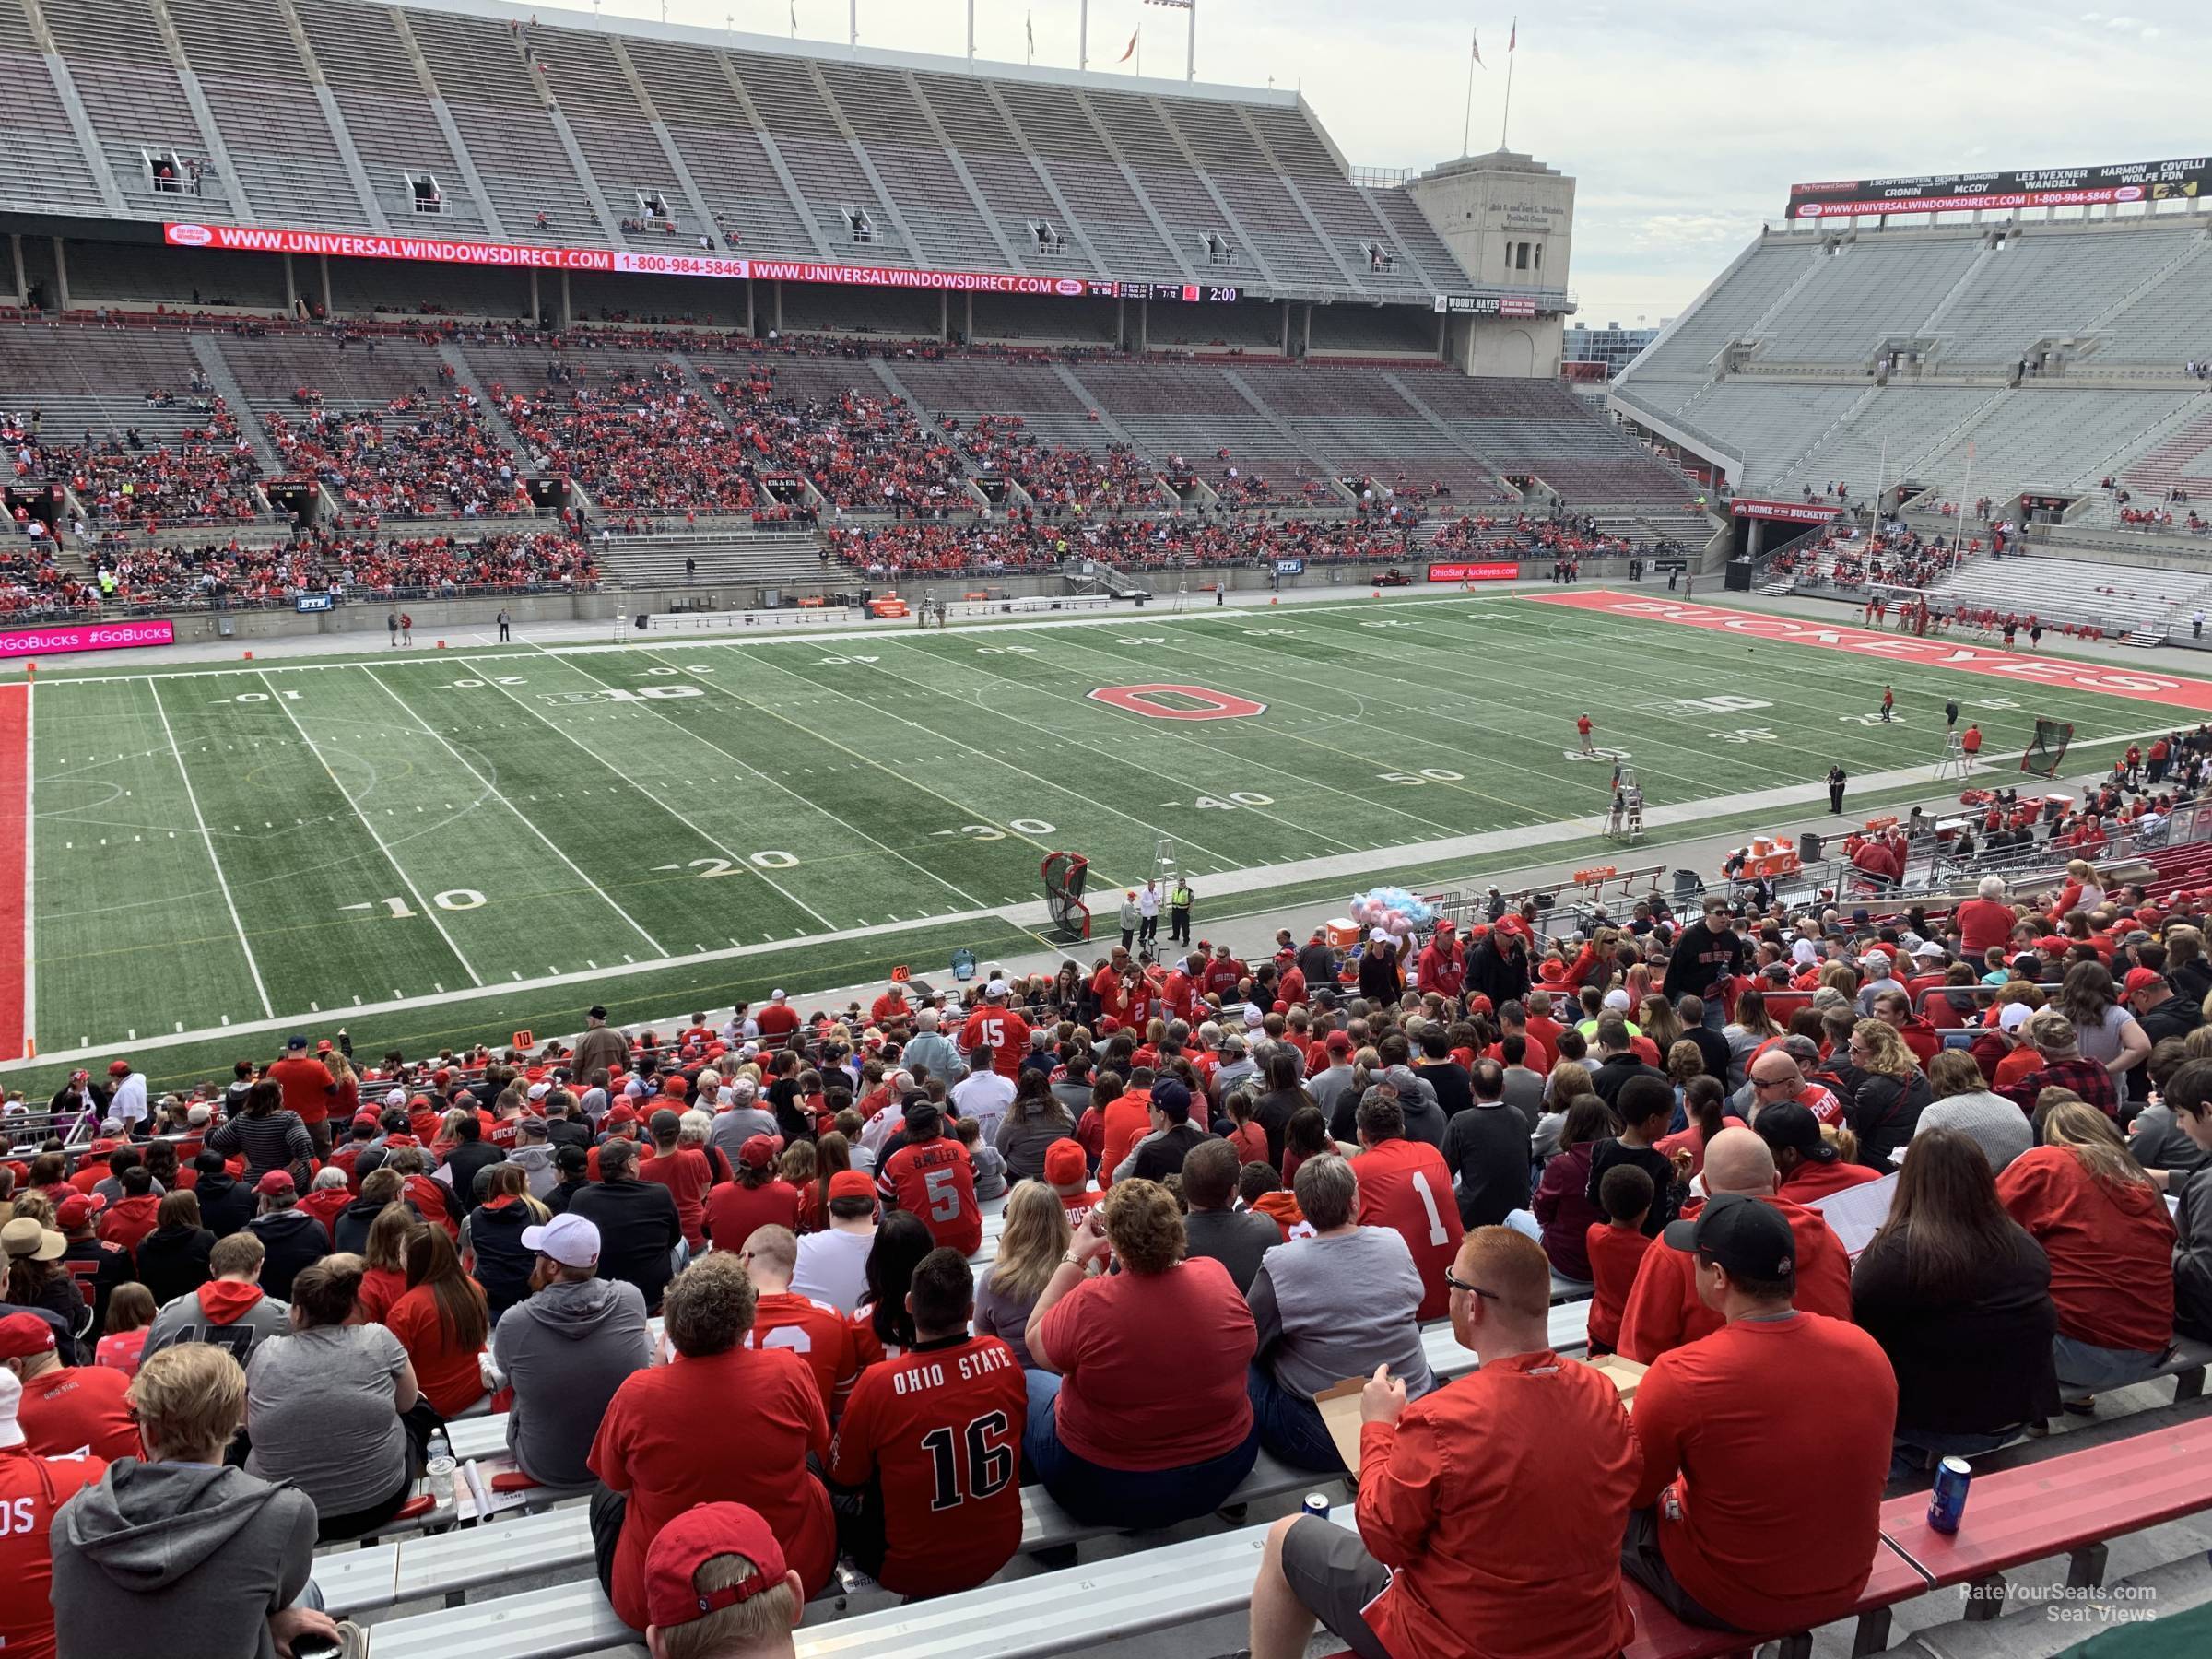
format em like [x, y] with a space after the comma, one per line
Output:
[218, 847]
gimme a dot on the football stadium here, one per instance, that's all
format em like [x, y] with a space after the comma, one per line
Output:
[767, 806]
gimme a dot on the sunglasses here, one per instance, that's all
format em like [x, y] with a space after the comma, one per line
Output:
[1454, 1282]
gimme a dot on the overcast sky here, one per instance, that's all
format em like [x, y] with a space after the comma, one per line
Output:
[1684, 122]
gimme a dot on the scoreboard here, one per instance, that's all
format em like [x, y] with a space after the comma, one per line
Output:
[1189, 293]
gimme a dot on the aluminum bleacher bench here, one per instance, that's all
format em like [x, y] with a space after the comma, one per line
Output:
[1660, 1635]
[452, 1564]
[1128, 1596]
[2069, 1504]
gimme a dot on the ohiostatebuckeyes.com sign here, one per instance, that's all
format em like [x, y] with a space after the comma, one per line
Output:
[1494, 569]
[67, 636]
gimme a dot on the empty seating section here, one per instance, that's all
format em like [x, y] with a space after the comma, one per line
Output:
[1680, 360]
[1349, 215]
[1417, 236]
[901, 313]
[1224, 146]
[1788, 419]
[1032, 317]
[1069, 149]
[2164, 323]
[1856, 297]
[2120, 596]
[1181, 201]
[617, 138]
[829, 176]
[501, 119]
[274, 371]
[2052, 283]
[2048, 435]
[1371, 329]
[278, 137]
[1004, 176]
[366, 67]
[1889, 438]
[948, 230]
[752, 210]
[41, 165]
[137, 104]
[2181, 459]
[1537, 426]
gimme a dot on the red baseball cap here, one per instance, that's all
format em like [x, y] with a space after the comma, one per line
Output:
[2143, 979]
[1066, 1164]
[1337, 1043]
[760, 1151]
[277, 1181]
[851, 1184]
[119, 1069]
[80, 1207]
[22, 1334]
[688, 1543]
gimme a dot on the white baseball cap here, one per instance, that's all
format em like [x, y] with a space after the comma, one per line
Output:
[397, 1096]
[1616, 999]
[995, 988]
[572, 1240]
[776, 995]
[11, 1395]
[538, 1091]
[2013, 1016]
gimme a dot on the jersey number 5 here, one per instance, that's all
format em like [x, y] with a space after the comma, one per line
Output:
[990, 1459]
[944, 1197]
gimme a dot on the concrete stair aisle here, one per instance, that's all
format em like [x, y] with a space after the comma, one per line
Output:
[729, 566]
[468, 379]
[209, 350]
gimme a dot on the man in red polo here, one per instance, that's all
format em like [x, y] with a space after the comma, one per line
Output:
[308, 1089]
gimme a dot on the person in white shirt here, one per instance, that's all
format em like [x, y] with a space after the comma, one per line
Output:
[983, 1095]
[833, 1265]
[126, 1105]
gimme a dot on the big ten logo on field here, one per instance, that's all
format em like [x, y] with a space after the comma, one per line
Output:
[1178, 702]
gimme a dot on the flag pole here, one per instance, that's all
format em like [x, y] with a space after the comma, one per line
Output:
[853, 22]
[1466, 126]
[971, 30]
[1513, 40]
[1083, 36]
[1189, 67]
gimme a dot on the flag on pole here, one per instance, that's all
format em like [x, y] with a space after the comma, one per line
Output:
[1028, 24]
[1513, 39]
[795, 19]
[1131, 51]
[1477, 41]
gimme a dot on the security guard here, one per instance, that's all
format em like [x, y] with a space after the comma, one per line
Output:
[1179, 912]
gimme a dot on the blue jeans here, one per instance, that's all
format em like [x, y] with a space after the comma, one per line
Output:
[1290, 1425]
[2084, 1367]
[1912, 1449]
[1131, 1499]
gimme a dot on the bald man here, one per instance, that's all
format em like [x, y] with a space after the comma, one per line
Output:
[1664, 1309]
[1776, 1076]
[1499, 1501]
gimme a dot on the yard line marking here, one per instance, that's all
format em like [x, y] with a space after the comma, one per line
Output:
[969, 748]
[852, 828]
[511, 807]
[221, 881]
[421, 904]
[735, 858]
[1150, 725]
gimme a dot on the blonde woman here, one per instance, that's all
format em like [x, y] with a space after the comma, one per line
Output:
[2110, 1238]
[1890, 1097]
[1034, 1239]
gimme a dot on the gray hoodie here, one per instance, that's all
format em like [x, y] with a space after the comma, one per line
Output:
[536, 1160]
[565, 1350]
[202, 1555]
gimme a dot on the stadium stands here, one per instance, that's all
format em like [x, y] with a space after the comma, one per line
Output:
[2053, 352]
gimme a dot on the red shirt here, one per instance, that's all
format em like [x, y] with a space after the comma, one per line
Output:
[1810, 1181]
[1112, 1340]
[735, 1211]
[307, 1087]
[79, 1409]
[1984, 923]
[1003, 1031]
[1406, 1186]
[381, 1287]
[686, 1174]
[449, 1375]
[1774, 1438]
[125, 1223]
[940, 1428]
[776, 1020]
[31, 1489]
[2110, 1248]
[1500, 1501]
[1665, 1311]
[936, 1180]
[1222, 977]
[1443, 971]
[1616, 1252]
[1128, 1120]
[816, 1333]
[655, 1443]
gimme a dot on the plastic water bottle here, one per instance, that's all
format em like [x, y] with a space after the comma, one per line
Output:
[438, 1468]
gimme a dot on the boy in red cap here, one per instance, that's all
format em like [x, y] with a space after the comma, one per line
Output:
[717, 1573]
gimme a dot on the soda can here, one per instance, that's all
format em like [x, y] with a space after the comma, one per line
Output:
[1946, 1504]
[1317, 1505]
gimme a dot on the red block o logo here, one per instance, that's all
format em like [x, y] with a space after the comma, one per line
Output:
[1146, 700]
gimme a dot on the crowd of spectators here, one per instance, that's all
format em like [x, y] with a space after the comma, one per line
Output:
[419, 456]
[1249, 1177]
[342, 565]
[1060, 478]
[205, 475]
[644, 442]
[1030, 542]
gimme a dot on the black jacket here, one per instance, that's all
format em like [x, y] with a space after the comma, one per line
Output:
[1157, 1159]
[1884, 1115]
[293, 1239]
[563, 1191]
[226, 1204]
[1498, 973]
[465, 1161]
[172, 1261]
[502, 1266]
[1487, 1147]
[349, 1233]
[1979, 1359]
[638, 1229]
[1703, 959]
[1616, 1070]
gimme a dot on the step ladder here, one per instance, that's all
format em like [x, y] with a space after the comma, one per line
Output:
[1954, 764]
